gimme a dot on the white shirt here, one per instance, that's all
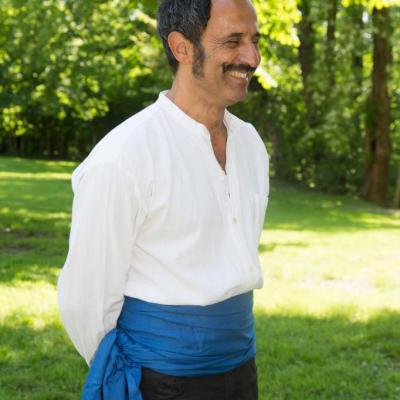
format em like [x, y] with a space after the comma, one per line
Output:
[155, 217]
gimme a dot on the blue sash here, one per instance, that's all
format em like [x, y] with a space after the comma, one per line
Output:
[175, 340]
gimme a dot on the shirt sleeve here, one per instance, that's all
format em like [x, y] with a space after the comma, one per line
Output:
[92, 283]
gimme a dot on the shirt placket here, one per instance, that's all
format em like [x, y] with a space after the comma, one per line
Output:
[223, 185]
[234, 224]
[230, 216]
[228, 193]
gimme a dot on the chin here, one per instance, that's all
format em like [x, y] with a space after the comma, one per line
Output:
[236, 98]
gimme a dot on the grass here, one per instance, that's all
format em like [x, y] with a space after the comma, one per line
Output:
[327, 319]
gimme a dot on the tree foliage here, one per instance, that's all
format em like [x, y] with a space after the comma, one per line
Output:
[70, 71]
[65, 64]
[317, 118]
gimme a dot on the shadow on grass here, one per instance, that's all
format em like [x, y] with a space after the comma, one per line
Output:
[31, 258]
[293, 209]
[30, 272]
[299, 358]
[330, 358]
[34, 227]
[290, 207]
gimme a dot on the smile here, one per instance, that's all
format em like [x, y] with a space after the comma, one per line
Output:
[239, 75]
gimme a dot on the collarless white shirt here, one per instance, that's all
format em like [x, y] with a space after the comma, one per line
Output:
[155, 217]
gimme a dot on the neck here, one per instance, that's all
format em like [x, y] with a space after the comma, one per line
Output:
[197, 105]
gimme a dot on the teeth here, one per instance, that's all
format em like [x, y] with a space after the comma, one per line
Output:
[240, 75]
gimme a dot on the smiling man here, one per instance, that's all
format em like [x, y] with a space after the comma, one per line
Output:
[157, 289]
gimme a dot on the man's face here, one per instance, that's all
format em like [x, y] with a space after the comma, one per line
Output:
[228, 54]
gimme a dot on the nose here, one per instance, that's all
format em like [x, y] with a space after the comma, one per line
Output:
[251, 54]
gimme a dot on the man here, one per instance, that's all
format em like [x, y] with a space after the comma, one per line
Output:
[156, 291]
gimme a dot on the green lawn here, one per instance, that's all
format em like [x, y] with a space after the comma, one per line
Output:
[328, 317]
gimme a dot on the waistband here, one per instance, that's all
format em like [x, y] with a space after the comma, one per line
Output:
[174, 340]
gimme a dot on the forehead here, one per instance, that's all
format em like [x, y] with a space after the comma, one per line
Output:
[232, 16]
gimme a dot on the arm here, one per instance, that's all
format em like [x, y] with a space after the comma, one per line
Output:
[92, 282]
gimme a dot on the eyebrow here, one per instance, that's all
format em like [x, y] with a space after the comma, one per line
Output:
[238, 35]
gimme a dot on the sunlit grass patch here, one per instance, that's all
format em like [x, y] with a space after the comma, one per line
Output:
[332, 357]
[28, 214]
[328, 316]
[23, 165]
[32, 303]
[36, 359]
[327, 319]
[37, 175]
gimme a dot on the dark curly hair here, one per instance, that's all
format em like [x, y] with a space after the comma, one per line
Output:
[188, 17]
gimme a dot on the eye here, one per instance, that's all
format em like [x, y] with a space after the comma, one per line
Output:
[232, 43]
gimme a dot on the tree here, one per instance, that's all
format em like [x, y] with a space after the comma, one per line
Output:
[307, 54]
[325, 100]
[378, 119]
[66, 64]
[332, 6]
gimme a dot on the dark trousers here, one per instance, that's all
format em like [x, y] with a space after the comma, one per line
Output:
[239, 384]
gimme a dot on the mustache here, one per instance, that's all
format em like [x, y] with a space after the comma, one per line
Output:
[238, 67]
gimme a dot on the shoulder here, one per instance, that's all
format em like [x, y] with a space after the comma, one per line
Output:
[125, 149]
[127, 137]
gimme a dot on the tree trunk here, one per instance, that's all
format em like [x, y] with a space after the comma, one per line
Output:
[357, 65]
[330, 42]
[12, 143]
[307, 54]
[49, 141]
[397, 193]
[378, 119]
[356, 12]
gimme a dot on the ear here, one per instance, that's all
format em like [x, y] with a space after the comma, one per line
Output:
[181, 47]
